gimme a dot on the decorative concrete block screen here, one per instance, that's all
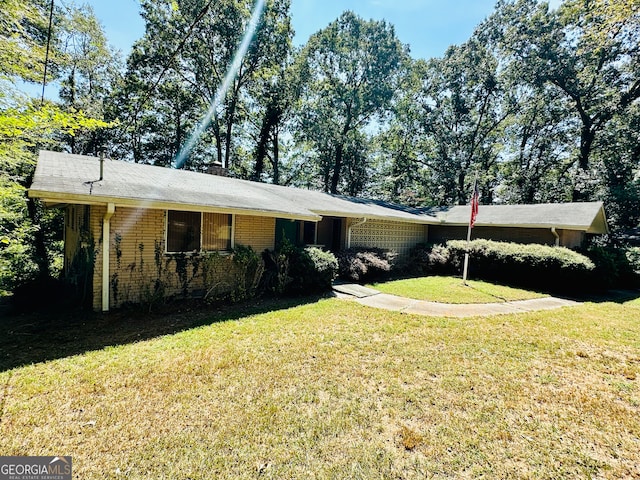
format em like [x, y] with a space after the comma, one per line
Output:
[398, 236]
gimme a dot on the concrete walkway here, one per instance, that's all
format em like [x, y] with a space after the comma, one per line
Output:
[373, 298]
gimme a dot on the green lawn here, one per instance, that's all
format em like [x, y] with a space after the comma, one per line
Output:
[453, 290]
[332, 389]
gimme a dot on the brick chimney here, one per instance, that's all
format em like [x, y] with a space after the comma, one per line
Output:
[216, 168]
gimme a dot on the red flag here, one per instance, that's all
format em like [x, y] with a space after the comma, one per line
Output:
[475, 201]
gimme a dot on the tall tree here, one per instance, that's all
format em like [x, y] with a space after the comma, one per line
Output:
[465, 105]
[618, 161]
[187, 49]
[23, 34]
[87, 67]
[403, 148]
[273, 103]
[26, 230]
[536, 164]
[591, 58]
[351, 69]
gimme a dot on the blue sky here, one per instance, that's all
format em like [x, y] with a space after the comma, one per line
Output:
[428, 26]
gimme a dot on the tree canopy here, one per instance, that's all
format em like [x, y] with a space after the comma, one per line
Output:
[541, 104]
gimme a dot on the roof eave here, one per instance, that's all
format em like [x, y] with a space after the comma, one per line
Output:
[65, 198]
[583, 228]
[391, 218]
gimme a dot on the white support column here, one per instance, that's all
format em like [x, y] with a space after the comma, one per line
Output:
[106, 243]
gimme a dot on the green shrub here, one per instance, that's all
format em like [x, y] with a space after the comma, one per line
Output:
[296, 270]
[325, 269]
[364, 264]
[612, 267]
[428, 259]
[276, 273]
[529, 265]
[249, 270]
[633, 257]
[234, 277]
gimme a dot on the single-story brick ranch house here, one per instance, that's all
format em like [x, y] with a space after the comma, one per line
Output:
[129, 225]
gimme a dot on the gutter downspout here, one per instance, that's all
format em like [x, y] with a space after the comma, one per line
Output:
[106, 235]
[364, 220]
[555, 234]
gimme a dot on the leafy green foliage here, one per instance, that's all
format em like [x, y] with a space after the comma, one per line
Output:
[22, 33]
[365, 264]
[614, 267]
[249, 270]
[540, 267]
[28, 233]
[30, 237]
[633, 257]
[427, 259]
[174, 73]
[325, 269]
[297, 270]
[350, 70]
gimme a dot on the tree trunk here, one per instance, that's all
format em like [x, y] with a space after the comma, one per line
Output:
[335, 178]
[276, 157]
[261, 148]
[216, 134]
[587, 135]
[462, 195]
[227, 141]
[41, 256]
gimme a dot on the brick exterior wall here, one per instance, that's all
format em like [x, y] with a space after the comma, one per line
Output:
[95, 228]
[543, 236]
[398, 236]
[258, 233]
[138, 263]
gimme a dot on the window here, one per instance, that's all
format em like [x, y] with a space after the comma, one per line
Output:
[216, 232]
[195, 231]
[308, 233]
[183, 231]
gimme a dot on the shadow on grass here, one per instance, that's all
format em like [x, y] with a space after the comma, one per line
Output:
[576, 293]
[39, 337]
[610, 296]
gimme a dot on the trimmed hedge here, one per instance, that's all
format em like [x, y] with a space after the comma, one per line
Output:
[529, 265]
[428, 259]
[534, 266]
[364, 264]
[294, 270]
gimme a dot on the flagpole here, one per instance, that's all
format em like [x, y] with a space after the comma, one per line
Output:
[474, 206]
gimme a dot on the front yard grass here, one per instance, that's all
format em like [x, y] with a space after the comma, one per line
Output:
[452, 290]
[333, 389]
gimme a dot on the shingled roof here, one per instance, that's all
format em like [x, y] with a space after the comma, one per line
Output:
[585, 216]
[65, 178]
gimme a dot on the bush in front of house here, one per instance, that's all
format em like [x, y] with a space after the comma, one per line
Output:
[633, 256]
[616, 267]
[364, 264]
[325, 269]
[250, 269]
[296, 270]
[428, 259]
[529, 265]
